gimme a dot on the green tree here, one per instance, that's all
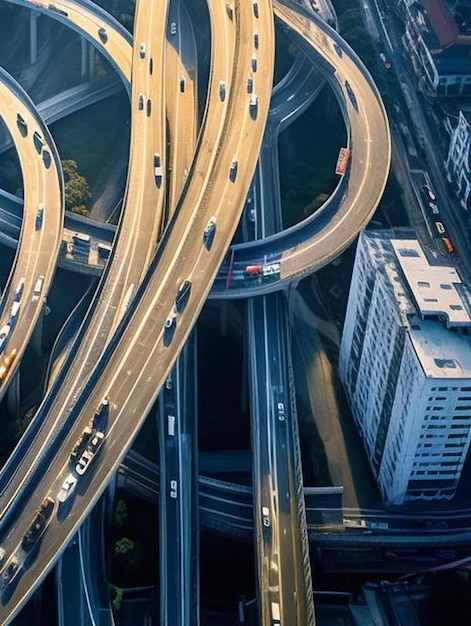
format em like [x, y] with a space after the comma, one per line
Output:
[120, 513]
[124, 545]
[128, 551]
[77, 190]
[81, 210]
[117, 598]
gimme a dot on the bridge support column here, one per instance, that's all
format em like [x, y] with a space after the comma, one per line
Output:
[37, 336]
[91, 62]
[110, 498]
[224, 314]
[85, 54]
[33, 36]
[244, 394]
[13, 395]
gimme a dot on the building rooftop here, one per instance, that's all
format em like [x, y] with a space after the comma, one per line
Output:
[442, 22]
[436, 289]
[430, 299]
[442, 354]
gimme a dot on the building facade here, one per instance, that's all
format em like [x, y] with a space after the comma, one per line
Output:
[405, 363]
[438, 40]
[458, 161]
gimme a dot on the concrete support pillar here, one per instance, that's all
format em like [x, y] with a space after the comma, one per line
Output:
[91, 62]
[37, 336]
[33, 36]
[13, 395]
[244, 394]
[84, 65]
[110, 498]
[224, 308]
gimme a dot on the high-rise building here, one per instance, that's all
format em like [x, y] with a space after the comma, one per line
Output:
[405, 362]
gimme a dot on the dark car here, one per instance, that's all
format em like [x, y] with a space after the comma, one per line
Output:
[169, 329]
[222, 90]
[38, 142]
[351, 95]
[233, 171]
[39, 216]
[22, 125]
[209, 232]
[81, 444]
[38, 525]
[183, 295]
[11, 571]
[102, 35]
[47, 159]
[100, 418]
[253, 106]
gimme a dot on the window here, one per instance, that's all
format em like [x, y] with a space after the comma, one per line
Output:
[423, 283]
[445, 363]
[408, 252]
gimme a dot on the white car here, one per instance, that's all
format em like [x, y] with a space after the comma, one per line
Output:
[173, 488]
[84, 462]
[281, 411]
[142, 50]
[266, 516]
[173, 28]
[68, 488]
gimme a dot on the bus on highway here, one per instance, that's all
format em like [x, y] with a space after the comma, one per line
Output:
[342, 161]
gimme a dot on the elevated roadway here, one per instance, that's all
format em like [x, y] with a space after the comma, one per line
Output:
[182, 101]
[178, 511]
[83, 597]
[280, 532]
[123, 370]
[311, 244]
[119, 372]
[87, 18]
[135, 241]
[317, 240]
[280, 535]
[227, 509]
[36, 257]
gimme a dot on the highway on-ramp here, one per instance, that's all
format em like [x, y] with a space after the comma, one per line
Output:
[132, 369]
[147, 343]
[36, 256]
[135, 241]
[311, 244]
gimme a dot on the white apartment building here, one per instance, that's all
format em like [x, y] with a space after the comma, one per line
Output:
[405, 363]
[458, 161]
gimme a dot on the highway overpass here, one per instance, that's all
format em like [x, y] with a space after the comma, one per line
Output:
[138, 356]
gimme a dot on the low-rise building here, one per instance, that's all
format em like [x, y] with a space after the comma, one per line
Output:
[458, 161]
[438, 40]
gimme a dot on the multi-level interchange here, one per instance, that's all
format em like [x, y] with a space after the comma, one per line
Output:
[180, 211]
